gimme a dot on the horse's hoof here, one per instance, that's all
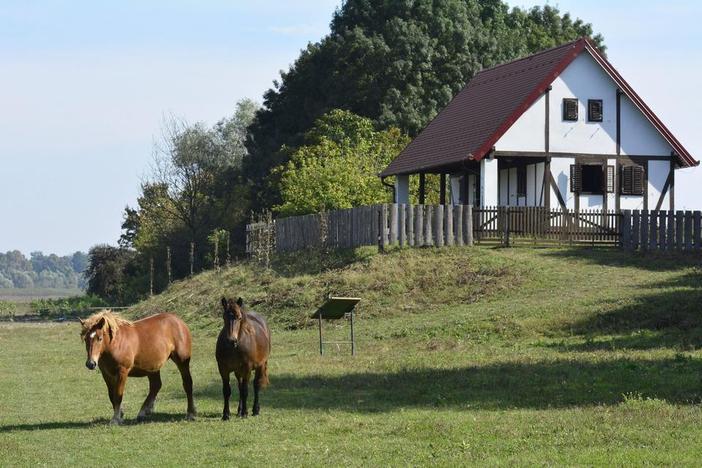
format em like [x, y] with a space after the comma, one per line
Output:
[190, 417]
[225, 417]
[243, 415]
[116, 422]
[141, 418]
[256, 412]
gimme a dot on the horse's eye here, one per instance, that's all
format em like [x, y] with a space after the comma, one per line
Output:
[99, 338]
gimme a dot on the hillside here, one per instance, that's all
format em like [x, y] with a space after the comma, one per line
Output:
[480, 356]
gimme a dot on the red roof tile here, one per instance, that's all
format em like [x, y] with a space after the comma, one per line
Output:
[469, 126]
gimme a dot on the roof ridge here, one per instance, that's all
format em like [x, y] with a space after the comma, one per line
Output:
[536, 54]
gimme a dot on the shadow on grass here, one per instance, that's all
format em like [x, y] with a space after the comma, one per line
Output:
[540, 385]
[315, 261]
[667, 314]
[43, 426]
[651, 261]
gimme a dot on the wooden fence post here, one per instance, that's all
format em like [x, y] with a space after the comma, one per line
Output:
[643, 242]
[468, 224]
[383, 226]
[393, 224]
[439, 226]
[410, 225]
[626, 230]
[459, 225]
[636, 229]
[168, 264]
[403, 224]
[428, 225]
[505, 225]
[419, 226]
[697, 221]
[192, 258]
[653, 231]
[679, 221]
[151, 276]
[449, 225]
[662, 230]
[688, 230]
[670, 237]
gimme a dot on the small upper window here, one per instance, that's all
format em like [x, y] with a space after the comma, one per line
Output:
[570, 109]
[594, 110]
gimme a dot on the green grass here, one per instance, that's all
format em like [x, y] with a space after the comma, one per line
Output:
[18, 301]
[465, 356]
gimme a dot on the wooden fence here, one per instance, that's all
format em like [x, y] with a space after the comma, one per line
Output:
[662, 230]
[447, 225]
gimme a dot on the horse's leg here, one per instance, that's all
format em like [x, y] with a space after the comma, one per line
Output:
[154, 386]
[257, 387]
[110, 388]
[184, 368]
[243, 394]
[118, 393]
[226, 392]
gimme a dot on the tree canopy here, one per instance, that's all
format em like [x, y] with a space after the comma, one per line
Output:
[397, 62]
[337, 166]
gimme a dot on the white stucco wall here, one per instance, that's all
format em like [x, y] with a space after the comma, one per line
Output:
[528, 132]
[657, 175]
[583, 79]
[488, 182]
[560, 169]
[638, 135]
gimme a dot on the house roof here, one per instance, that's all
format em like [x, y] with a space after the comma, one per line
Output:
[469, 126]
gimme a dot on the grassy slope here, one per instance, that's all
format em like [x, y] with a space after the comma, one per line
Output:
[465, 356]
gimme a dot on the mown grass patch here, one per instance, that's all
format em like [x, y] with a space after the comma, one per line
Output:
[522, 370]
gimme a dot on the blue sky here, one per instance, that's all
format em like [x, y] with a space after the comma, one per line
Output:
[84, 86]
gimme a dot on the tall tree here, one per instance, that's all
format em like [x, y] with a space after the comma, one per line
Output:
[397, 62]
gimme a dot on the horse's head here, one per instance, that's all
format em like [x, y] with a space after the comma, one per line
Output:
[95, 336]
[232, 315]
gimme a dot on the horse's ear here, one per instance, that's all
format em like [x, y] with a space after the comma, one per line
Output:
[101, 323]
[240, 302]
[82, 322]
[224, 303]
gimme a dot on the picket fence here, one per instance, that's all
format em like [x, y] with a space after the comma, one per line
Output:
[446, 225]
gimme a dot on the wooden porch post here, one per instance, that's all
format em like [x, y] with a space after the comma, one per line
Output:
[442, 189]
[422, 188]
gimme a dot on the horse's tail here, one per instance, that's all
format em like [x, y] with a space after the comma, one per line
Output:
[264, 374]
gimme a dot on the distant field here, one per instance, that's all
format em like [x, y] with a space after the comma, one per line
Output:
[17, 301]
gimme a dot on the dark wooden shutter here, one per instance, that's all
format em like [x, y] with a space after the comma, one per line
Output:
[632, 180]
[594, 110]
[570, 109]
[576, 178]
[610, 179]
[637, 187]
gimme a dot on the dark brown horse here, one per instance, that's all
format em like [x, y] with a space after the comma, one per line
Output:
[243, 346]
[121, 348]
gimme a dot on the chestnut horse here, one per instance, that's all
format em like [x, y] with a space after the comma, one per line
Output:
[243, 345]
[121, 348]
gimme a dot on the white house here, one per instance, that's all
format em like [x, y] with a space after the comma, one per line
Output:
[560, 128]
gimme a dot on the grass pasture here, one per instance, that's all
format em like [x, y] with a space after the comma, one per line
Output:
[465, 356]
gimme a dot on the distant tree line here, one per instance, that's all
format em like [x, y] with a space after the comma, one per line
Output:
[42, 271]
[345, 108]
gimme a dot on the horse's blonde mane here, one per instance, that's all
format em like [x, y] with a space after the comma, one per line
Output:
[113, 322]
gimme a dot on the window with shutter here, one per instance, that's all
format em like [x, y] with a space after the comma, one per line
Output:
[632, 180]
[576, 178]
[570, 109]
[594, 110]
[610, 179]
[638, 181]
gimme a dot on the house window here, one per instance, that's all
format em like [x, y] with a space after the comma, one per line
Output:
[594, 110]
[632, 180]
[587, 178]
[570, 109]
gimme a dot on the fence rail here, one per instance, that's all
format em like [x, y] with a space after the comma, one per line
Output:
[446, 225]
